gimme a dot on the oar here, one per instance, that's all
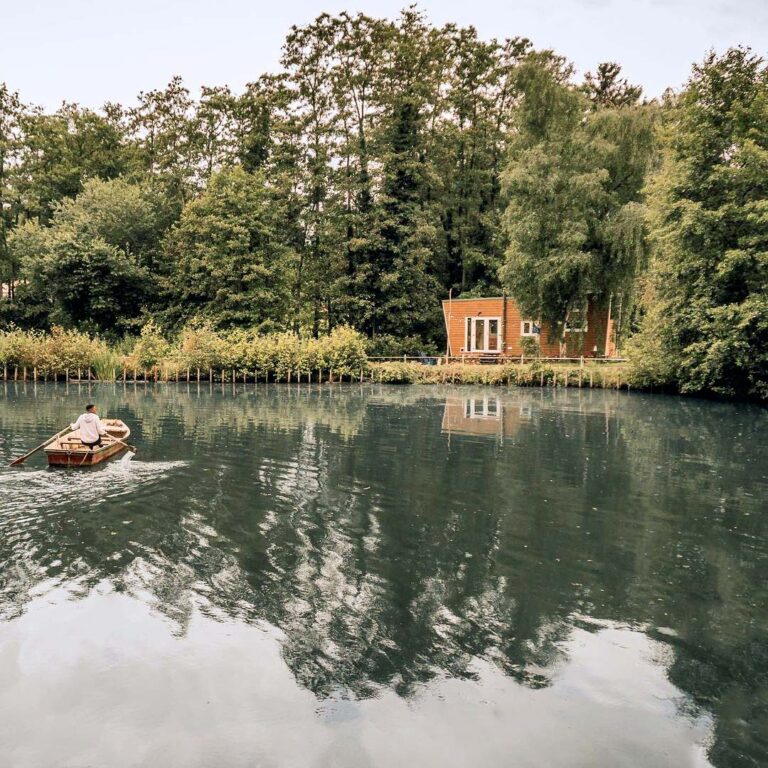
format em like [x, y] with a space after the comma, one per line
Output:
[23, 458]
[131, 448]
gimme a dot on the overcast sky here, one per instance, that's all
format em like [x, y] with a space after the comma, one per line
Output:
[91, 51]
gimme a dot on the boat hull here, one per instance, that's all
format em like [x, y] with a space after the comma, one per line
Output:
[68, 451]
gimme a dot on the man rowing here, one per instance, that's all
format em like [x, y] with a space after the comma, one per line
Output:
[90, 426]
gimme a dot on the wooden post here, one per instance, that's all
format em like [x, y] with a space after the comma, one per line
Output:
[198, 374]
[34, 373]
[210, 374]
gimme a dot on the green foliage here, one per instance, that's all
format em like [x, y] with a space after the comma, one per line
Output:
[106, 364]
[389, 345]
[530, 346]
[90, 268]
[229, 263]
[56, 352]
[150, 348]
[574, 179]
[201, 347]
[277, 355]
[706, 312]
[387, 163]
[610, 376]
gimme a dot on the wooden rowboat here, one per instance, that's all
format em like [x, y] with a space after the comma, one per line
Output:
[69, 451]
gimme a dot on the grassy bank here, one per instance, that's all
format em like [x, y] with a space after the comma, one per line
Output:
[201, 354]
[530, 374]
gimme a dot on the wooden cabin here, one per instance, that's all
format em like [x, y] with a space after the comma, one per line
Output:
[495, 327]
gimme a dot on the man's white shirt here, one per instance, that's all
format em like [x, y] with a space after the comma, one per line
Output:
[90, 427]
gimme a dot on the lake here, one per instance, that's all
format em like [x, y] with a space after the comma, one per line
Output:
[362, 576]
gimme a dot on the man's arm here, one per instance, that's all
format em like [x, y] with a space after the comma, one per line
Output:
[75, 424]
[100, 427]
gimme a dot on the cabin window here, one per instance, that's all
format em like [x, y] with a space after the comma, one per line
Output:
[576, 322]
[529, 328]
[483, 334]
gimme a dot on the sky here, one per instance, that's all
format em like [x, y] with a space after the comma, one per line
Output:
[93, 51]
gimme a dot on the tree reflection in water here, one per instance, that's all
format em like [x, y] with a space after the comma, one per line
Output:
[398, 535]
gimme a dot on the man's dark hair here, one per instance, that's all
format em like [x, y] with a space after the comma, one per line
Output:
[89, 407]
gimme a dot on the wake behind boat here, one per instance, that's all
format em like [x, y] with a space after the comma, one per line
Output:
[68, 450]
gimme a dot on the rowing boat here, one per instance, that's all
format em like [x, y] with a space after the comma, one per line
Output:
[69, 451]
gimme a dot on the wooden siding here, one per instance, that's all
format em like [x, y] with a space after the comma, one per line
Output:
[456, 312]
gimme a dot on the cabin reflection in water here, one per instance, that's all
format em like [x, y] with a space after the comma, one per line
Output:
[483, 415]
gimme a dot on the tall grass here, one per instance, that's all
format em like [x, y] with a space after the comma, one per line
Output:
[202, 351]
[276, 356]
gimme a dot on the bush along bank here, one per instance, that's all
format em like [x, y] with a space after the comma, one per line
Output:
[602, 375]
[199, 353]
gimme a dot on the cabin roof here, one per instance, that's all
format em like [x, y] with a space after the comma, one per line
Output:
[477, 298]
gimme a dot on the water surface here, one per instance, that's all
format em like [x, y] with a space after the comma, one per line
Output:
[373, 576]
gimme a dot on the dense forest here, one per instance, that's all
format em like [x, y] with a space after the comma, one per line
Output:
[385, 165]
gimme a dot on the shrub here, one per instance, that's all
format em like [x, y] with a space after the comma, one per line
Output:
[394, 346]
[57, 351]
[202, 347]
[343, 351]
[530, 346]
[150, 347]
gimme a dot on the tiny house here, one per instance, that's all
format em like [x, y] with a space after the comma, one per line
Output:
[494, 327]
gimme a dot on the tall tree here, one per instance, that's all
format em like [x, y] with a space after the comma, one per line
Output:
[230, 262]
[61, 152]
[574, 220]
[164, 127]
[399, 280]
[11, 114]
[606, 88]
[307, 57]
[706, 327]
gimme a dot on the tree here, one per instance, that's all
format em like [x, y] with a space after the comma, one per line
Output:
[11, 112]
[229, 261]
[77, 281]
[706, 323]
[574, 220]
[164, 127]
[91, 267]
[605, 88]
[556, 189]
[61, 152]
